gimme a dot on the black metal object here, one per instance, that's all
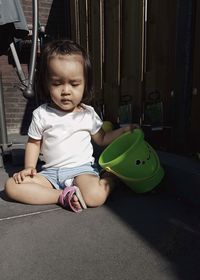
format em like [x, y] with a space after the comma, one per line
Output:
[28, 92]
[12, 23]
[13, 27]
[3, 132]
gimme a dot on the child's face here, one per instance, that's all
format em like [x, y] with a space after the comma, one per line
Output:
[66, 81]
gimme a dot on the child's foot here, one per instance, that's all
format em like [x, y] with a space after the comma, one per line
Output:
[75, 203]
[71, 198]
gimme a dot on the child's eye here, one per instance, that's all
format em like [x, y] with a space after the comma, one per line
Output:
[56, 83]
[75, 84]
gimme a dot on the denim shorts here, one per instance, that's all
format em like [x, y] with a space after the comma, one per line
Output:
[60, 177]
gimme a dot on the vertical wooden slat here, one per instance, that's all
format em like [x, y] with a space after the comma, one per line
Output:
[95, 43]
[195, 112]
[183, 71]
[131, 54]
[112, 59]
[74, 12]
[160, 62]
[83, 23]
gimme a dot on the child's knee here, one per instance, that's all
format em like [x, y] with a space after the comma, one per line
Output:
[94, 201]
[95, 197]
[10, 186]
[94, 191]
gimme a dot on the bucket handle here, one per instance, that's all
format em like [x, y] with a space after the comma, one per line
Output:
[107, 168]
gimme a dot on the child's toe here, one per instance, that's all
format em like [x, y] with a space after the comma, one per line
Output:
[75, 202]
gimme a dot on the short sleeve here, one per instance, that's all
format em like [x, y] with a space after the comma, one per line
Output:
[35, 129]
[96, 122]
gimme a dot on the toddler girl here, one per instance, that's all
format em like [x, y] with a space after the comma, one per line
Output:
[62, 129]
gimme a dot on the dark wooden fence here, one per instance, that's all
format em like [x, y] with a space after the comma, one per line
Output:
[143, 54]
[112, 33]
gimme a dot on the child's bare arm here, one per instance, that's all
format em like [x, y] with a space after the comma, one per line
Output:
[32, 153]
[105, 138]
[31, 157]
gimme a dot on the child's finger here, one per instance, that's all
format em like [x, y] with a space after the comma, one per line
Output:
[17, 178]
[33, 172]
[21, 176]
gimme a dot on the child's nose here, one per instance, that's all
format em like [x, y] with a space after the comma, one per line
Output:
[66, 89]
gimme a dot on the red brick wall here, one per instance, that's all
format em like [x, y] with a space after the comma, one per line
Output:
[17, 108]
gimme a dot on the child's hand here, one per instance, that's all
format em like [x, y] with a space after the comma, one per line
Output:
[20, 176]
[131, 127]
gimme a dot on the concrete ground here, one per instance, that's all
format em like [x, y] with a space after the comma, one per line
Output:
[152, 236]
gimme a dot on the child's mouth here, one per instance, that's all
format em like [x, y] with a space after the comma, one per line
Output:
[66, 101]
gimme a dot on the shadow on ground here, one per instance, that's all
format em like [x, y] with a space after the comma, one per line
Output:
[168, 224]
[163, 233]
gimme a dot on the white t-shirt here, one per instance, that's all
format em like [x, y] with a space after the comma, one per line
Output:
[66, 137]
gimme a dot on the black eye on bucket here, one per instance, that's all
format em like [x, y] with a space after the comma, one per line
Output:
[137, 162]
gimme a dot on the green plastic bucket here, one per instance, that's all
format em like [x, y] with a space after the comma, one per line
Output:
[142, 186]
[134, 161]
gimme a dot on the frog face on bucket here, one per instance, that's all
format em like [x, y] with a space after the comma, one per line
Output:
[146, 163]
[146, 158]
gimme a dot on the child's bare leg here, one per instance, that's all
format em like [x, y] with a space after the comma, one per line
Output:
[94, 190]
[36, 190]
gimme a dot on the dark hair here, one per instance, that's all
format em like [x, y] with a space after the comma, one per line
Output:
[62, 47]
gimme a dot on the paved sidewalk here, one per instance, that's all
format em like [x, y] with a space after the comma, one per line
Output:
[154, 236]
